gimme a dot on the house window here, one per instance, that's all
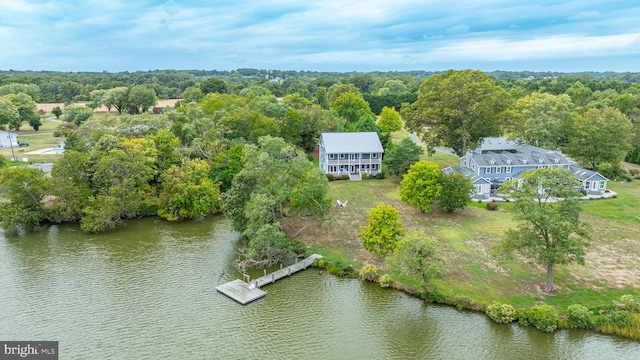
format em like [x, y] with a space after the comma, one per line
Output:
[332, 156]
[374, 155]
[478, 189]
[587, 185]
[487, 170]
[540, 166]
[498, 169]
[602, 185]
[473, 166]
[508, 170]
[342, 156]
[333, 169]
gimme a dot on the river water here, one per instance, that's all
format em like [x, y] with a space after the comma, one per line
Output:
[147, 291]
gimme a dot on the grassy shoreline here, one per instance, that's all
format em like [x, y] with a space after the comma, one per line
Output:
[474, 275]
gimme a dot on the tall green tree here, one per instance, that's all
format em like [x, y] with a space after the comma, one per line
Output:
[421, 185]
[57, 112]
[456, 192]
[546, 120]
[22, 190]
[187, 192]
[77, 114]
[9, 117]
[549, 230]
[116, 98]
[601, 136]
[351, 106]
[416, 260]
[140, 98]
[383, 230]
[401, 156]
[390, 120]
[456, 109]
[70, 186]
[214, 85]
[27, 111]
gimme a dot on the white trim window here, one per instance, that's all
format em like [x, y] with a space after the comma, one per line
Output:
[508, 170]
[499, 170]
[374, 155]
[487, 170]
[332, 156]
[603, 184]
[342, 156]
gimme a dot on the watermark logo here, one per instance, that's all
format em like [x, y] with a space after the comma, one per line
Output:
[34, 350]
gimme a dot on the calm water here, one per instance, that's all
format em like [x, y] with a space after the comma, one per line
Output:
[148, 292]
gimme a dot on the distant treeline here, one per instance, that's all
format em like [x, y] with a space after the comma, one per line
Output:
[69, 87]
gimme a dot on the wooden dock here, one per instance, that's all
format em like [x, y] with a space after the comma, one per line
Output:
[245, 293]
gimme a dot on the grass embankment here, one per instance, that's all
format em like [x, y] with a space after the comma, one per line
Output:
[474, 275]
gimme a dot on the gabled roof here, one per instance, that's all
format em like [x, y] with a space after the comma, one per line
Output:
[351, 142]
[584, 174]
[500, 151]
[473, 177]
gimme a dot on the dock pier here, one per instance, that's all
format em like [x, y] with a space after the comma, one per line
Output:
[246, 292]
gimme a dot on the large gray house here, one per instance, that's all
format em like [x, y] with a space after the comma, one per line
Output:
[496, 160]
[350, 153]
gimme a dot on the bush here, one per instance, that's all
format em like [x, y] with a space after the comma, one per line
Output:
[385, 281]
[344, 177]
[320, 263]
[330, 177]
[501, 313]
[492, 206]
[621, 318]
[369, 272]
[635, 173]
[364, 176]
[380, 176]
[543, 317]
[614, 172]
[581, 317]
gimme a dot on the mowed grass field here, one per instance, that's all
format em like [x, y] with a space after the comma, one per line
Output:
[474, 273]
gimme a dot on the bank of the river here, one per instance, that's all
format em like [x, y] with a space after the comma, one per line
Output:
[475, 277]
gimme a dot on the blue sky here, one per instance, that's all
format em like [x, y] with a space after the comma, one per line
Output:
[326, 35]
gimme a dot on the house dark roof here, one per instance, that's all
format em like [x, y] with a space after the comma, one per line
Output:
[351, 142]
[583, 174]
[500, 151]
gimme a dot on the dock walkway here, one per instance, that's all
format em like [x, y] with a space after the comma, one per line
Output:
[245, 293]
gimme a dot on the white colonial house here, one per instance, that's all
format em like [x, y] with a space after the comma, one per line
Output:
[351, 153]
[7, 139]
[496, 160]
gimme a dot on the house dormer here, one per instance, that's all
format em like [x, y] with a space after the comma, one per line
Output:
[492, 161]
[556, 160]
[508, 161]
[540, 160]
[525, 161]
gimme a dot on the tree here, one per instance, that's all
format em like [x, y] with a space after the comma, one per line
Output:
[547, 208]
[70, 186]
[321, 97]
[351, 106]
[140, 98]
[77, 114]
[400, 157]
[22, 190]
[57, 112]
[416, 260]
[117, 98]
[579, 93]
[26, 110]
[601, 137]
[390, 120]
[214, 85]
[9, 117]
[456, 191]
[546, 119]
[421, 185]
[456, 109]
[187, 192]
[382, 233]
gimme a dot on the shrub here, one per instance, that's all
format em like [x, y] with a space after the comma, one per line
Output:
[635, 173]
[344, 177]
[369, 272]
[621, 318]
[543, 317]
[385, 280]
[320, 263]
[614, 172]
[364, 176]
[380, 176]
[330, 177]
[581, 317]
[492, 206]
[501, 313]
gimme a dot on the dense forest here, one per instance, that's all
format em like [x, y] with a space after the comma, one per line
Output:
[240, 142]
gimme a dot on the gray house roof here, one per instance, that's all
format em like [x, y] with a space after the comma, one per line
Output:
[500, 151]
[585, 174]
[473, 177]
[351, 142]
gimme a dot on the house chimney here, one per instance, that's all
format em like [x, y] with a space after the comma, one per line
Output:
[467, 159]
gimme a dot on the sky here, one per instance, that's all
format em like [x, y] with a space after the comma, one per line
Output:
[326, 35]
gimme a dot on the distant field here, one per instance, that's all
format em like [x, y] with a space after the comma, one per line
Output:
[49, 106]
